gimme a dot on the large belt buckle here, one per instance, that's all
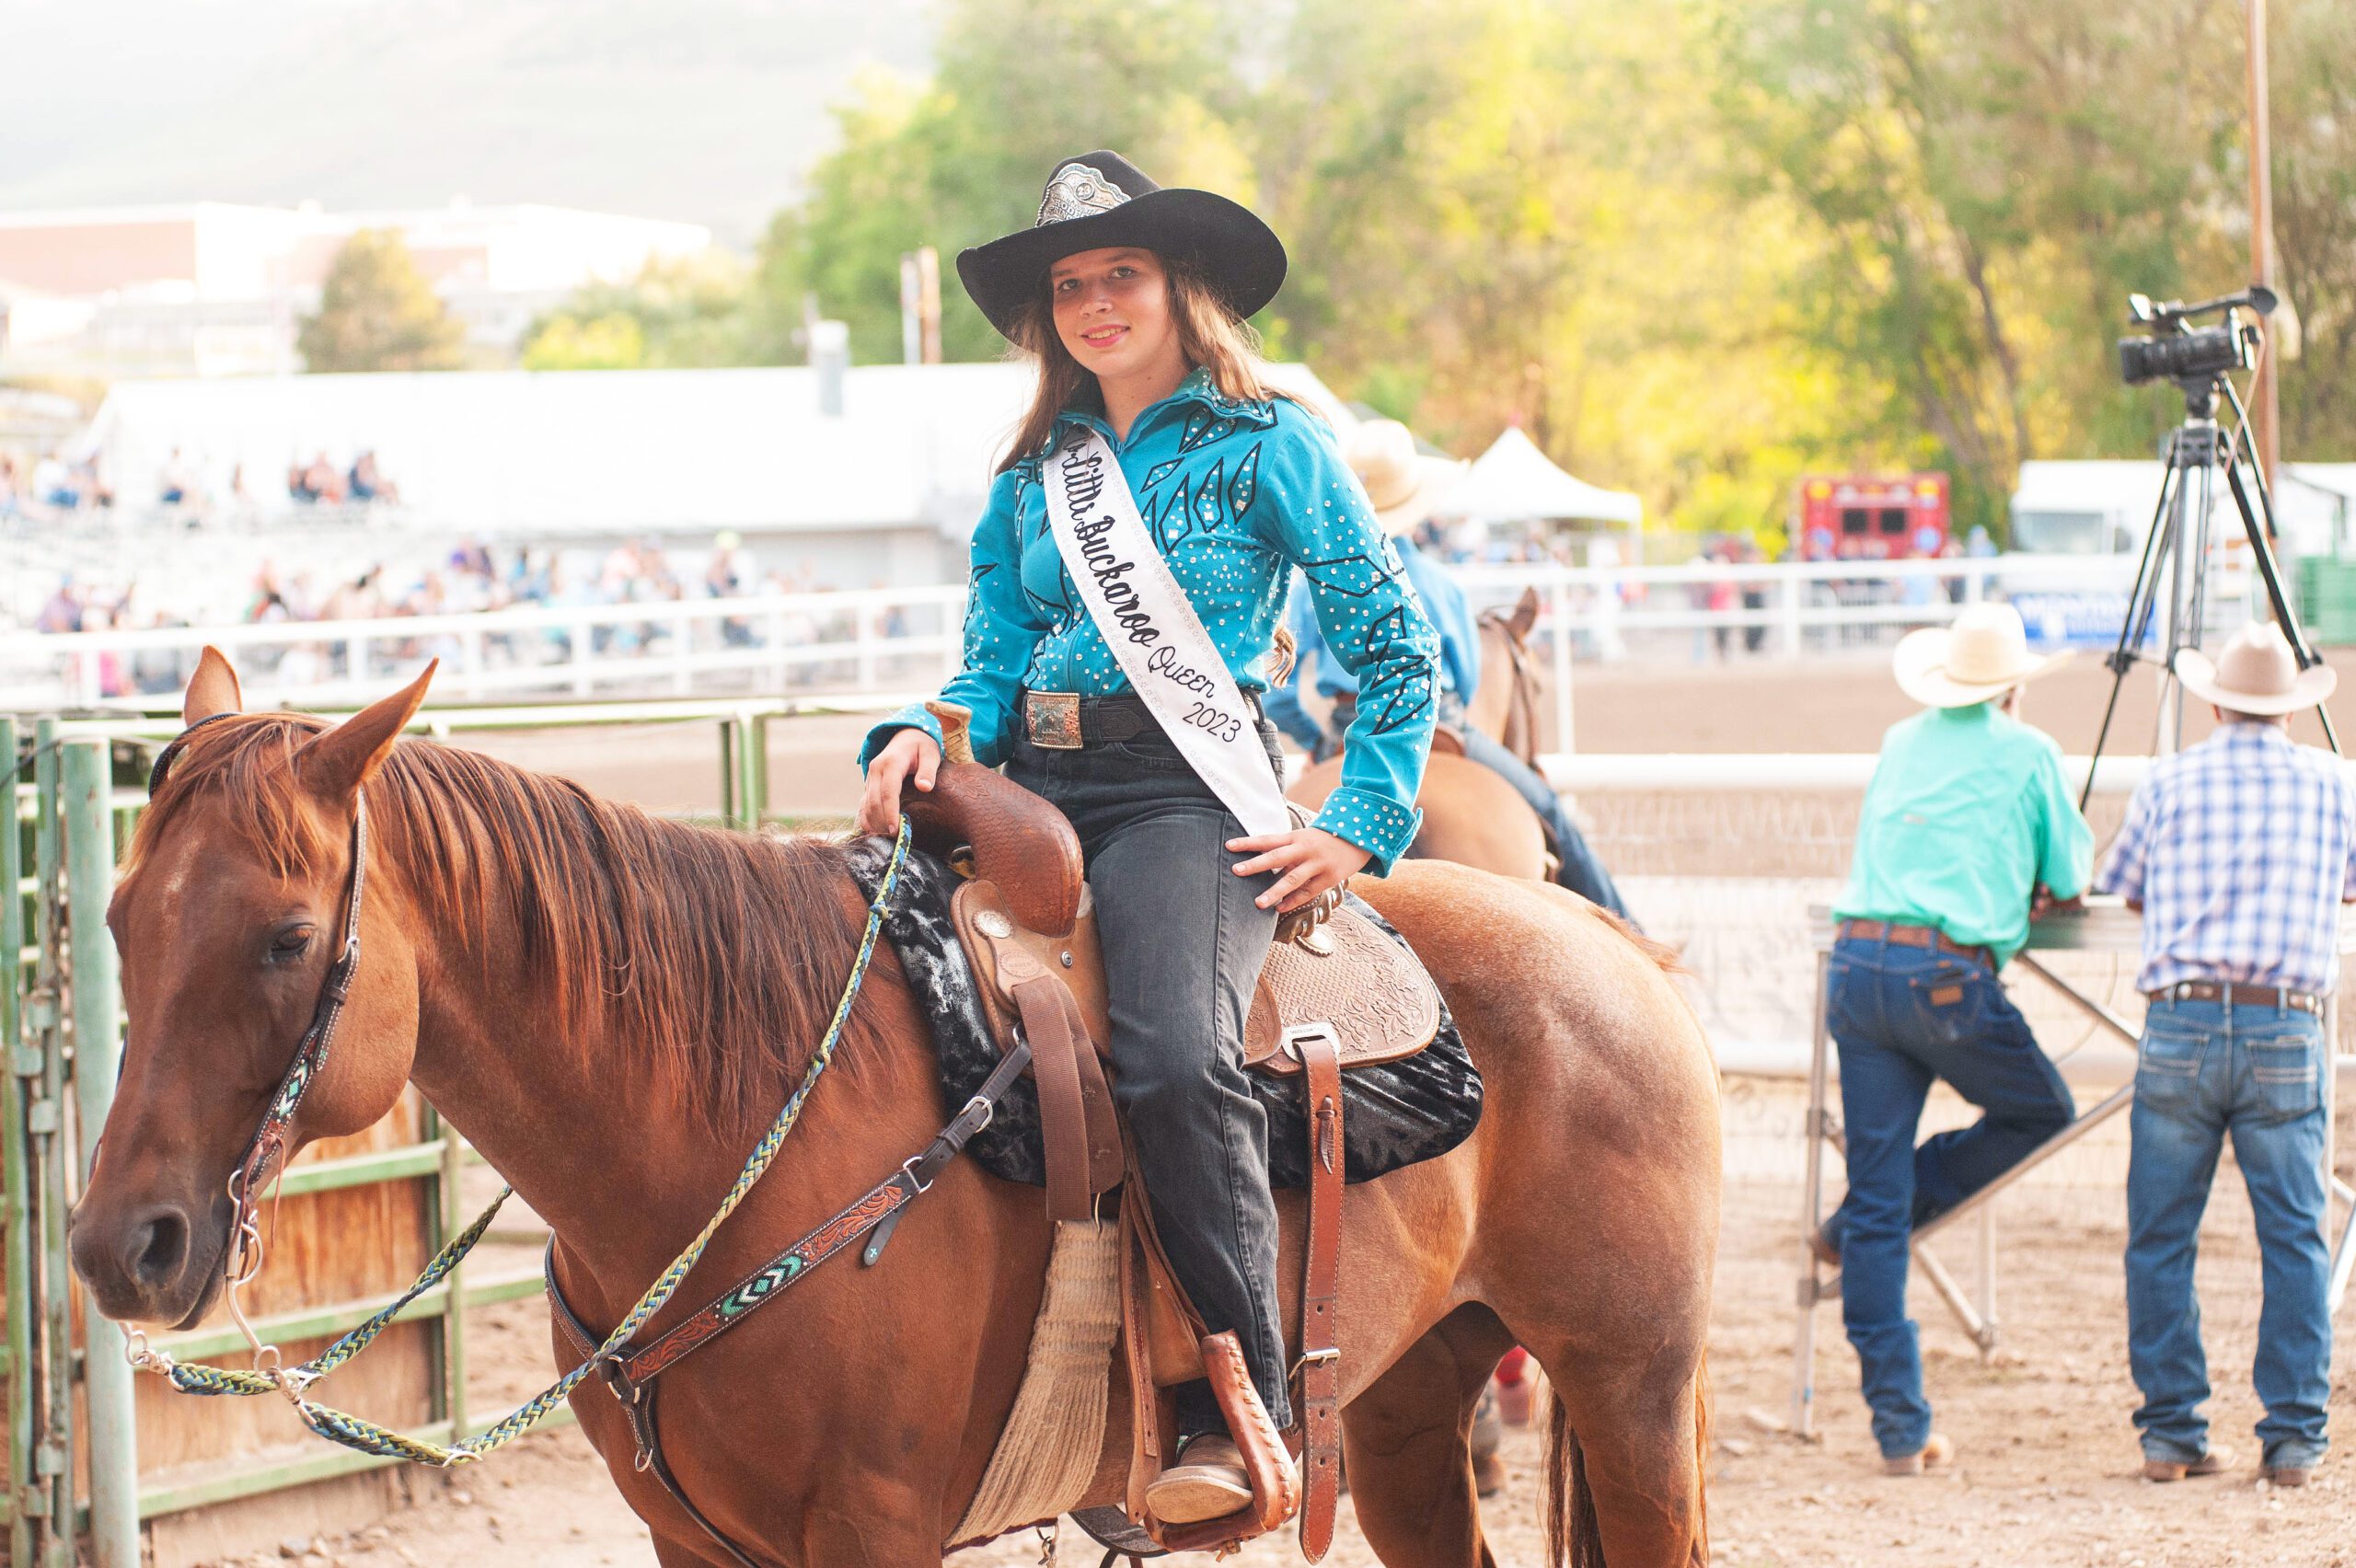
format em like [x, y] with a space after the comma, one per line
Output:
[1052, 719]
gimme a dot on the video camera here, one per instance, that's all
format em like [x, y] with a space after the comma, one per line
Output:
[2182, 353]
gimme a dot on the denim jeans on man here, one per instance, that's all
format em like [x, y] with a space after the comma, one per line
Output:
[1183, 946]
[2206, 1070]
[1902, 1016]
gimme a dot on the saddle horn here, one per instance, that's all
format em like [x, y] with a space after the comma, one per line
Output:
[1019, 841]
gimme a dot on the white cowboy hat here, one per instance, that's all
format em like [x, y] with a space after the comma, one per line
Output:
[2256, 671]
[1405, 485]
[1985, 654]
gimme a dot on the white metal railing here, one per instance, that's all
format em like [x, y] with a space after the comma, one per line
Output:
[825, 641]
[900, 638]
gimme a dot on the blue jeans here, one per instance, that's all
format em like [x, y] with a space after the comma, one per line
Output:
[1901, 1017]
[2205, 1069]
[1184, 943]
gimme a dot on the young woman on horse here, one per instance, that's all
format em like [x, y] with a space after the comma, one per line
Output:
[1151, 410]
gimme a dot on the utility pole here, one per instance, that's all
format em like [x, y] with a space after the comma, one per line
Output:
[2265, 409]
[921, 306]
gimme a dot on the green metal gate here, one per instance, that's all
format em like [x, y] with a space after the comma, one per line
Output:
[74, 1491]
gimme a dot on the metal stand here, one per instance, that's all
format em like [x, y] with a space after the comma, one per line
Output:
[2106, 925]
[2179, 536]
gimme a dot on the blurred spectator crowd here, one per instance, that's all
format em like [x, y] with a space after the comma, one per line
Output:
[472, 578]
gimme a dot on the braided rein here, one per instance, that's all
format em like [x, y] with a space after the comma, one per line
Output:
[264, 1156]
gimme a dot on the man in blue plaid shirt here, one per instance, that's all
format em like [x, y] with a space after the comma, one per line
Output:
[2239, 852]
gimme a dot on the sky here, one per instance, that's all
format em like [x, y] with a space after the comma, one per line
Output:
[704, 110]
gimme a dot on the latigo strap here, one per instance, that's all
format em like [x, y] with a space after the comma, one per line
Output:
[1320, 1361]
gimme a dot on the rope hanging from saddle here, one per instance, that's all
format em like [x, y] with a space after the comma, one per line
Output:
[263, 1157]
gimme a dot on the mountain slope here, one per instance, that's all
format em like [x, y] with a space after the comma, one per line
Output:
[706, 110]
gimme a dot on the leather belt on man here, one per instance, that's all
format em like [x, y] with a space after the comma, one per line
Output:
[1065, 721]
[2240, 995]
[1914, 936]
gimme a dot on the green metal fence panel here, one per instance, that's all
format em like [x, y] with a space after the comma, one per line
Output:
[53, 1456]
[56, 1046]
[15, 1168]
[88, 788]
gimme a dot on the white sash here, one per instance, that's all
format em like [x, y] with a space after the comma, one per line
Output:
[1154, 633]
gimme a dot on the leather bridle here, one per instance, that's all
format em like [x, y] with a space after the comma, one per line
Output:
[266, 1150]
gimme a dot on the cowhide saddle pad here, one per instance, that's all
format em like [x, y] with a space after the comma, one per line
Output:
[1393, 1114]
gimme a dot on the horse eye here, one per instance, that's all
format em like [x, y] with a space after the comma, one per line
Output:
[290, 943]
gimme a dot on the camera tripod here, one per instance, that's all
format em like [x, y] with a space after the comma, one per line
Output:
[2180, 538]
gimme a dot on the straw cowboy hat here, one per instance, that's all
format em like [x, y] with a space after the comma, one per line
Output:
[1403, 484]
[2256, 672]
[1101, 199]
[1985, 654]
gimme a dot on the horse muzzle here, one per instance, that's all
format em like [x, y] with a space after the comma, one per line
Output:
[156, 1262]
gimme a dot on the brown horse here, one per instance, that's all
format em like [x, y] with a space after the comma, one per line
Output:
[1471, 815]
[1506, 704]
[611, 1007]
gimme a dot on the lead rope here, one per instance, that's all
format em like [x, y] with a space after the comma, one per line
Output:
[366, 1435]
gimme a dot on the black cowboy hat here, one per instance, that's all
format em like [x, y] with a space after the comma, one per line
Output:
[1100, 200]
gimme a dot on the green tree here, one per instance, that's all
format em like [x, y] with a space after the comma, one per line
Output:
[565, 342]
[687, 313]
[2315, 221]
[1696, 248]
[959, 160]
[376, 313]
[1986, 181]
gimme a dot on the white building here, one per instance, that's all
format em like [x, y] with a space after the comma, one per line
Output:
[886, 491]
[2104, 507]
[213, 289]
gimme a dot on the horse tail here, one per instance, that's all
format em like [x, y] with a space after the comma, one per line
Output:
[1573, 1536]
[1702, 1461]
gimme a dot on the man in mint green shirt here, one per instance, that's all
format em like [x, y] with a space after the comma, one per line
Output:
[1968, 820]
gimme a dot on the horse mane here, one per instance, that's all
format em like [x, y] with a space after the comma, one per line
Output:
[1668, 959]
[716, 960]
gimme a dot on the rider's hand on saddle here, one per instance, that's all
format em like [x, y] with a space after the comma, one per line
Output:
[911, 754]
[1314, 861]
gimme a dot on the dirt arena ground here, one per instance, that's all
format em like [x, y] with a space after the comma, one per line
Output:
[2047, 1464]
[2047, 1467]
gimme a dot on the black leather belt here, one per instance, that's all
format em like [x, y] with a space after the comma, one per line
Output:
[1065, 721]
[2280, 996]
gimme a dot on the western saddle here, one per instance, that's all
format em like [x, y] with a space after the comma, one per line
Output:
[1336, 992]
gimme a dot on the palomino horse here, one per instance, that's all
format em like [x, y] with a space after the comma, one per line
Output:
[612, 1006]
[1471, 815]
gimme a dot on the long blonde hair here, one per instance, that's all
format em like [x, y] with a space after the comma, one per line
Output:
[1212, 337]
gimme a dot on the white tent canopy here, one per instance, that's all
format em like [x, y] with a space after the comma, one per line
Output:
[1515, 482]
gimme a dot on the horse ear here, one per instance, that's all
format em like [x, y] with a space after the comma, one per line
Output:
[336, 762]
[1525, 614]
[212, 690]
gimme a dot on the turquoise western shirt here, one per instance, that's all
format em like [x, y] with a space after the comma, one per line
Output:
[1966, 812]
[1236, 494]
